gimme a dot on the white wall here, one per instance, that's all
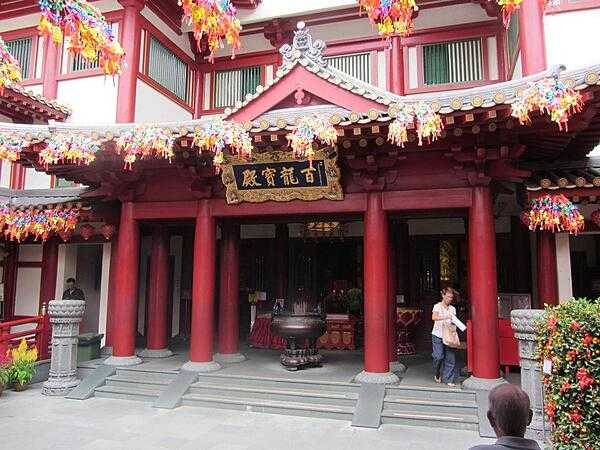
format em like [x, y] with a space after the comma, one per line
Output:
[181, 41]
[36, 180]
[571, 38]
[152, 106]
[104, 286]
[563, 266]
[5, 171]
[92, 99]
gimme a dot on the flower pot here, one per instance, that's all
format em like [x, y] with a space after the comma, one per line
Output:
[20, 387]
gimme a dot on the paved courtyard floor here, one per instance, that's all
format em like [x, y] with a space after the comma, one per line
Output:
[29, 420]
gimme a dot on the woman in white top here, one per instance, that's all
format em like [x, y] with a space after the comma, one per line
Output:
[444, 358]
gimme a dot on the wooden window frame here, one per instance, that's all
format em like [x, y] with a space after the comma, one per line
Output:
[31, 32]
[151, 31]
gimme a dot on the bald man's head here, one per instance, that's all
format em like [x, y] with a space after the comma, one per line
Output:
[509, 412]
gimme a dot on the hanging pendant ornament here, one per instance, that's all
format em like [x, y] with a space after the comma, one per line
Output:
[422, 117]
[10, 69]
[18, 225]
[308, 132]
[221, 134]
[553, 213]
[215, 19]
[390, 16]
[87, 30]
[76, 149]
[550, 96]
[143, 142]
[11, 147]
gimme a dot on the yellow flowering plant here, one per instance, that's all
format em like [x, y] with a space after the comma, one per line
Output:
[22, 368]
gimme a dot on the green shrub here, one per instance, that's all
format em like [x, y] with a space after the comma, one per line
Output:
[569, 337]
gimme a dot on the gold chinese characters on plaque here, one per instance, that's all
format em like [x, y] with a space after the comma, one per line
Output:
[280, 177]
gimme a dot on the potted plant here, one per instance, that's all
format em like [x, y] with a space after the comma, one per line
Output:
[4, 372]
[22, 367]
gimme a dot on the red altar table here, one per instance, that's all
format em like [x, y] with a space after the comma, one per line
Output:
[261, 335]
[508, 345]
[407, 319]
[340, 334]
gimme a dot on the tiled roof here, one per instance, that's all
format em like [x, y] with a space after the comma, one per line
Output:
[25, 198]
[567, 175]
[43, 100]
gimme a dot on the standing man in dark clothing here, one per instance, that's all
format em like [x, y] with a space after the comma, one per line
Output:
[509, 414]
[72, 292]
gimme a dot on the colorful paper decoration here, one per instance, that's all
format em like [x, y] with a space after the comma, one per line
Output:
[70, 148]
[553, 213]
[108, 230]
[390, 16]
[18, 225]
[550, 96]
[11, 147]
[596, 217]
[421, 115]
[215, 19]
[86, 231]
[10, 69]
[220, 134]
[89, 34]
[310, 130]
[142, 142]
[508, 7]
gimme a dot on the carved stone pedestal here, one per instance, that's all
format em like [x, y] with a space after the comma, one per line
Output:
[523, 324]
[65, 316]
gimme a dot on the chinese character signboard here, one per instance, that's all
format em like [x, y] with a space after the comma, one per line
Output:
[280, 177]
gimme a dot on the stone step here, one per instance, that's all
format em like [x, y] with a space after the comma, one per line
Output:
[277, 383]
[125, 381]
[429, 393]
[430, 406]
[138, 393]
[276, 393]
[430, 420]
[271, 406]
[146, 376]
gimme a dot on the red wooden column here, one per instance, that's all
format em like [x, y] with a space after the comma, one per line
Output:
[376, 294]
[131, 35]
[531, 37]
[158, 296]
[547, 275]
[483, 291]
[229, 301]
[112, 276]
[49, 271]
[50, 69]
[203, 293]
[396, 72]
[126, 290]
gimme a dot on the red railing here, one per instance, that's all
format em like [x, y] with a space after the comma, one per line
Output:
[38, 336]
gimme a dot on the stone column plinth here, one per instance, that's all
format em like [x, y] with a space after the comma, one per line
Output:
[523, 324]
[65, 316]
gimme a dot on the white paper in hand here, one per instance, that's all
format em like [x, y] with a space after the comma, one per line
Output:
[461, 326]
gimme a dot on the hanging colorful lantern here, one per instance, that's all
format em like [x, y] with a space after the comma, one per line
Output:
[20, 224]
[596, 217]
[10, 69]
[215, 19]
[107, 231]
[508, 7]
[390, 16]
[142, 142]
[11, 147]
[86, 231]
[71, 148]
[220, 134]
[65, 235]
[427, 122]
[310, 130]
[550, 96]
[553, 213]
[89, 34]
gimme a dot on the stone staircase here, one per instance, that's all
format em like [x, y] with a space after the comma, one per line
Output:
[403, 405]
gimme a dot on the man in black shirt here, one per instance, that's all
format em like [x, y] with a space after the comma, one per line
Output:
[72, 292]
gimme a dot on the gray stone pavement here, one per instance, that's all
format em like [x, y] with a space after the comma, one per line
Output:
[29, 420]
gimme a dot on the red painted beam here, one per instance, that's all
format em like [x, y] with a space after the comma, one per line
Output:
[427, 199]
[165, 210]
[569, 193]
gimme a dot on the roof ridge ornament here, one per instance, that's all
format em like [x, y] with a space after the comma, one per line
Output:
[303, 46]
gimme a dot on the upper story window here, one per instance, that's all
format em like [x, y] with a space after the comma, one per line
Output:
[357, 65]
[512, 37]
[453, 62]
[79, 63]
[168, 70]
[21, 49]
[231, 86]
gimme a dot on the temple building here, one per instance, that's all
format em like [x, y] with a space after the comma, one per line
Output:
[174, 253]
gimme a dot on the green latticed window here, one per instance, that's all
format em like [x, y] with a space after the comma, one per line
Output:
[357, 65]
[168, 70]
[512, 36]
[232, 86]
[452, 62]
[21, 50]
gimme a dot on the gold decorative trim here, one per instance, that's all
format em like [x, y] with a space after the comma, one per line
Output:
[333, 190]
[354, 117]
[281, 123]
[499, 97]
[435, 106]
[570, 83]
[247, 125]
[373, 114]
[393, 111]
[456, 104]
[477, 101]
[545, 183]
[264, 124]
[591, 78]
[335, 119]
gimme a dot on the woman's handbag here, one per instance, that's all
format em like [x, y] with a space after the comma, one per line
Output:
[450, 336]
